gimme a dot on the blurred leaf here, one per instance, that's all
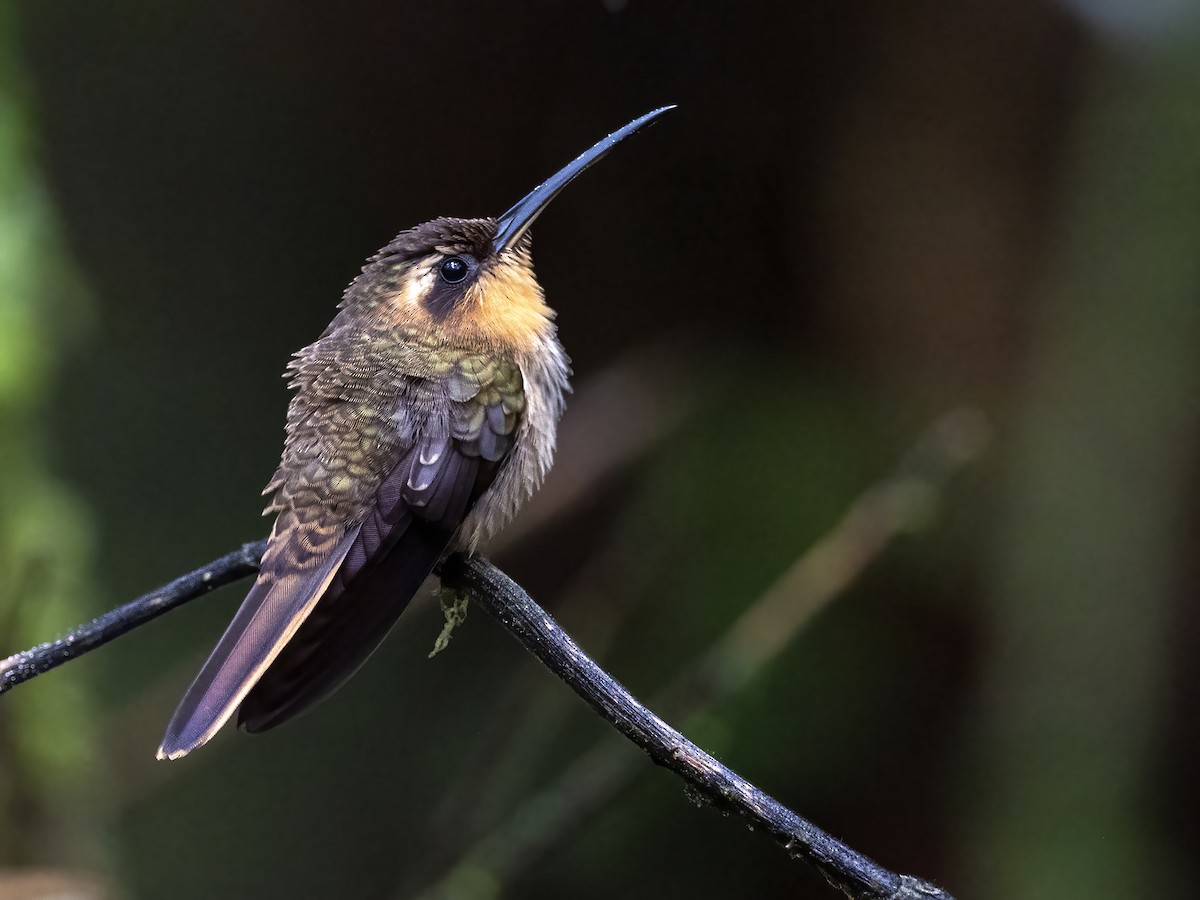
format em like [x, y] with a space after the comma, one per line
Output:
[47, 764]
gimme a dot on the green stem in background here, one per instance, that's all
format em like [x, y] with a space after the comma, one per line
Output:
[47, 783]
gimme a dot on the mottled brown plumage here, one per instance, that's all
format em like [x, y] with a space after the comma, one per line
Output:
[423, 417]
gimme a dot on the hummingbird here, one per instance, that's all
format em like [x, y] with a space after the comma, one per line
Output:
[423, 418]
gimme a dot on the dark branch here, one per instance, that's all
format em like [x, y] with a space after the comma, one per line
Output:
[20, 667]
[899, 504]
[856, 875]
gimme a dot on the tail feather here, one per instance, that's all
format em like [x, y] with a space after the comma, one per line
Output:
[270, 615]
[324, 655]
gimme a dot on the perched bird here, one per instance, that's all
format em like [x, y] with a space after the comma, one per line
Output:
[424, 416]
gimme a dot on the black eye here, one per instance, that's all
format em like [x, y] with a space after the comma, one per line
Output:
[454, 270]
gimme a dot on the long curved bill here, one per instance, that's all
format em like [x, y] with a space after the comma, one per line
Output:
[514, 223]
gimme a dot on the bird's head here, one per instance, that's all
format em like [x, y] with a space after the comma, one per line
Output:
[471, 281]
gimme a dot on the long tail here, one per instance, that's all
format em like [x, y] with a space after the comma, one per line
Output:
[342, 632]
[282, 598]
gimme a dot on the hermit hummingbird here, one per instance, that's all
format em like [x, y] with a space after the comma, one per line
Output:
[423, 417]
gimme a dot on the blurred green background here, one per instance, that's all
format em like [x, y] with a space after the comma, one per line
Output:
[959, 238]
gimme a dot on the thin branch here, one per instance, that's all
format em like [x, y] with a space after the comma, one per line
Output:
[856, 875]
[899, 503]
[847, 869]
[20, 667]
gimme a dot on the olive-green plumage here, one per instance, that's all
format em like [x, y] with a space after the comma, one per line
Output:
[422, 419]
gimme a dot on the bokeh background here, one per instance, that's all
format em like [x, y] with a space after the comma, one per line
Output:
[880, 478]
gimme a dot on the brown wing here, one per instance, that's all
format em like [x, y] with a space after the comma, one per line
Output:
[308, 624]
[421, 504]
[418, 508]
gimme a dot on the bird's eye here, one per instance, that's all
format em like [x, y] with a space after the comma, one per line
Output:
[454, 269]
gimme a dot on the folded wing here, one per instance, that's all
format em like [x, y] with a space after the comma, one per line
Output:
[421, 504]
[330, 591]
